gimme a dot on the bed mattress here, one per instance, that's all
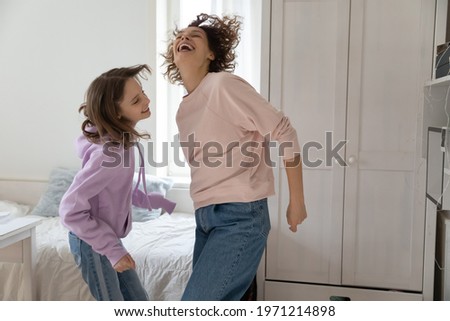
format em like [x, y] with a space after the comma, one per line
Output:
[162, 249]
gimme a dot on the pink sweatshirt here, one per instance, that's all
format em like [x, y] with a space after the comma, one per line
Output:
[223, 125]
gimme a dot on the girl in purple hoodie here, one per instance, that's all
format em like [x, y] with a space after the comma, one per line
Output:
[97, 206]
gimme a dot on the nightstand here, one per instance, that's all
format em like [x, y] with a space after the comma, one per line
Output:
[18, 245]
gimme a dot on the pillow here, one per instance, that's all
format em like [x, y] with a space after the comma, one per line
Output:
[14, 209]
[153, 184]
[61, 178]
[59, 182]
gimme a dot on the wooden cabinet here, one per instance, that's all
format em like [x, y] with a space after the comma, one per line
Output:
[350, 74]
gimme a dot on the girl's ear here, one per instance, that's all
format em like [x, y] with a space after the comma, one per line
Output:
[211, 56]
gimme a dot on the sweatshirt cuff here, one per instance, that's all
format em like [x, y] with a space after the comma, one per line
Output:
[289, 149]
[116, 256]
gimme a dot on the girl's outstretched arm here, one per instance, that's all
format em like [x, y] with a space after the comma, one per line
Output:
[296, 211]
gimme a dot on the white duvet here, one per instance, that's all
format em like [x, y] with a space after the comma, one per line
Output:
[162, 249]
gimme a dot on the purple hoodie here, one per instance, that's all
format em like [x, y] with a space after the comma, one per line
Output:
[97, 206]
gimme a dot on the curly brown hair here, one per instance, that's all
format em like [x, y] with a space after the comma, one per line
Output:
[101, 108]
[223, 38]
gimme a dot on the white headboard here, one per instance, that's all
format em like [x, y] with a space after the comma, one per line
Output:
[22, 191]
[28, 192]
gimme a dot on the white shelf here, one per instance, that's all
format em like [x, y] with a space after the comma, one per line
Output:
[440, 82]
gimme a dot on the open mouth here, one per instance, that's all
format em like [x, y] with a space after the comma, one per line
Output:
[185, 47]
[146, 110]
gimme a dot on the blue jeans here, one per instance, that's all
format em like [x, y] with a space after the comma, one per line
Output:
[229, 242]
[104, 282]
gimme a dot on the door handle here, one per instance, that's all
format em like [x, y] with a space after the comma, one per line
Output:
[351, 160]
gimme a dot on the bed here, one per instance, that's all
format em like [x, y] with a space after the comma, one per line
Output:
[161, 245]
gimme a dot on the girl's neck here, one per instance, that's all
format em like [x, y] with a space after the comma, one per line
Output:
[192, 78]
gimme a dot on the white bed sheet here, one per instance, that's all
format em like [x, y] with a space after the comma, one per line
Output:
[162, 249]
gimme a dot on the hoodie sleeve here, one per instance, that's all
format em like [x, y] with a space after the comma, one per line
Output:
[75, 208]
[152, 200]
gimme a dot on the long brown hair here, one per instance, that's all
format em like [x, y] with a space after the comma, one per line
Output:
[101, 108]
[223, 38]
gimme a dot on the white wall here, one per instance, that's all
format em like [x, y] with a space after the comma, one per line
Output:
[50, 51]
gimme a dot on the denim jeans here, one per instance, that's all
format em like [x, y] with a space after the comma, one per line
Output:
[229, 242]
[104, 282]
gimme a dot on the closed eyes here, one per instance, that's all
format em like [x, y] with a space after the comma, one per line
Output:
[189, 35]
[137, 99]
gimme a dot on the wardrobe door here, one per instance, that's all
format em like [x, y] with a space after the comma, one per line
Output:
[383, 229]
[308, 81]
